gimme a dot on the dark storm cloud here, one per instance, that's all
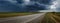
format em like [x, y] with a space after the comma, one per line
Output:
[43, 1]
[7, 6]
[18, 5]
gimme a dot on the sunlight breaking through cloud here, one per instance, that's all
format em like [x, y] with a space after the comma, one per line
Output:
[26, 2]
[53, 7]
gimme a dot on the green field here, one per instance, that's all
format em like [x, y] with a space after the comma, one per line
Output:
[51, 17]
[13, 14]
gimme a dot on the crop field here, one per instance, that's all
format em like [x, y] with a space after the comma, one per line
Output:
[51, 17]
[13, 14]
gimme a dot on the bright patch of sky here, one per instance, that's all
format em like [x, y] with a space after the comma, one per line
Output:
[53, 7]
[58, 6]
[26, 2]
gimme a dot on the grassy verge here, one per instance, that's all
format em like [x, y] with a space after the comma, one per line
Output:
[51, 17]
[13, 14]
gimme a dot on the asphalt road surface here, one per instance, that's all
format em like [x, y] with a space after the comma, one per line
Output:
[34, 18]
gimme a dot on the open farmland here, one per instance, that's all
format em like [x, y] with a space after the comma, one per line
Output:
[13, 14]
[51, 17]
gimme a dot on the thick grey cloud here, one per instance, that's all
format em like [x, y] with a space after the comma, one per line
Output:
[21, 6]
[58, 6]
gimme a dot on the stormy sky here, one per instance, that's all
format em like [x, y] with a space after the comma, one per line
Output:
[58, 6]
[24, 5]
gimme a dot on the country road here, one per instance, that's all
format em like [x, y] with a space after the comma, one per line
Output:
[34, 18]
